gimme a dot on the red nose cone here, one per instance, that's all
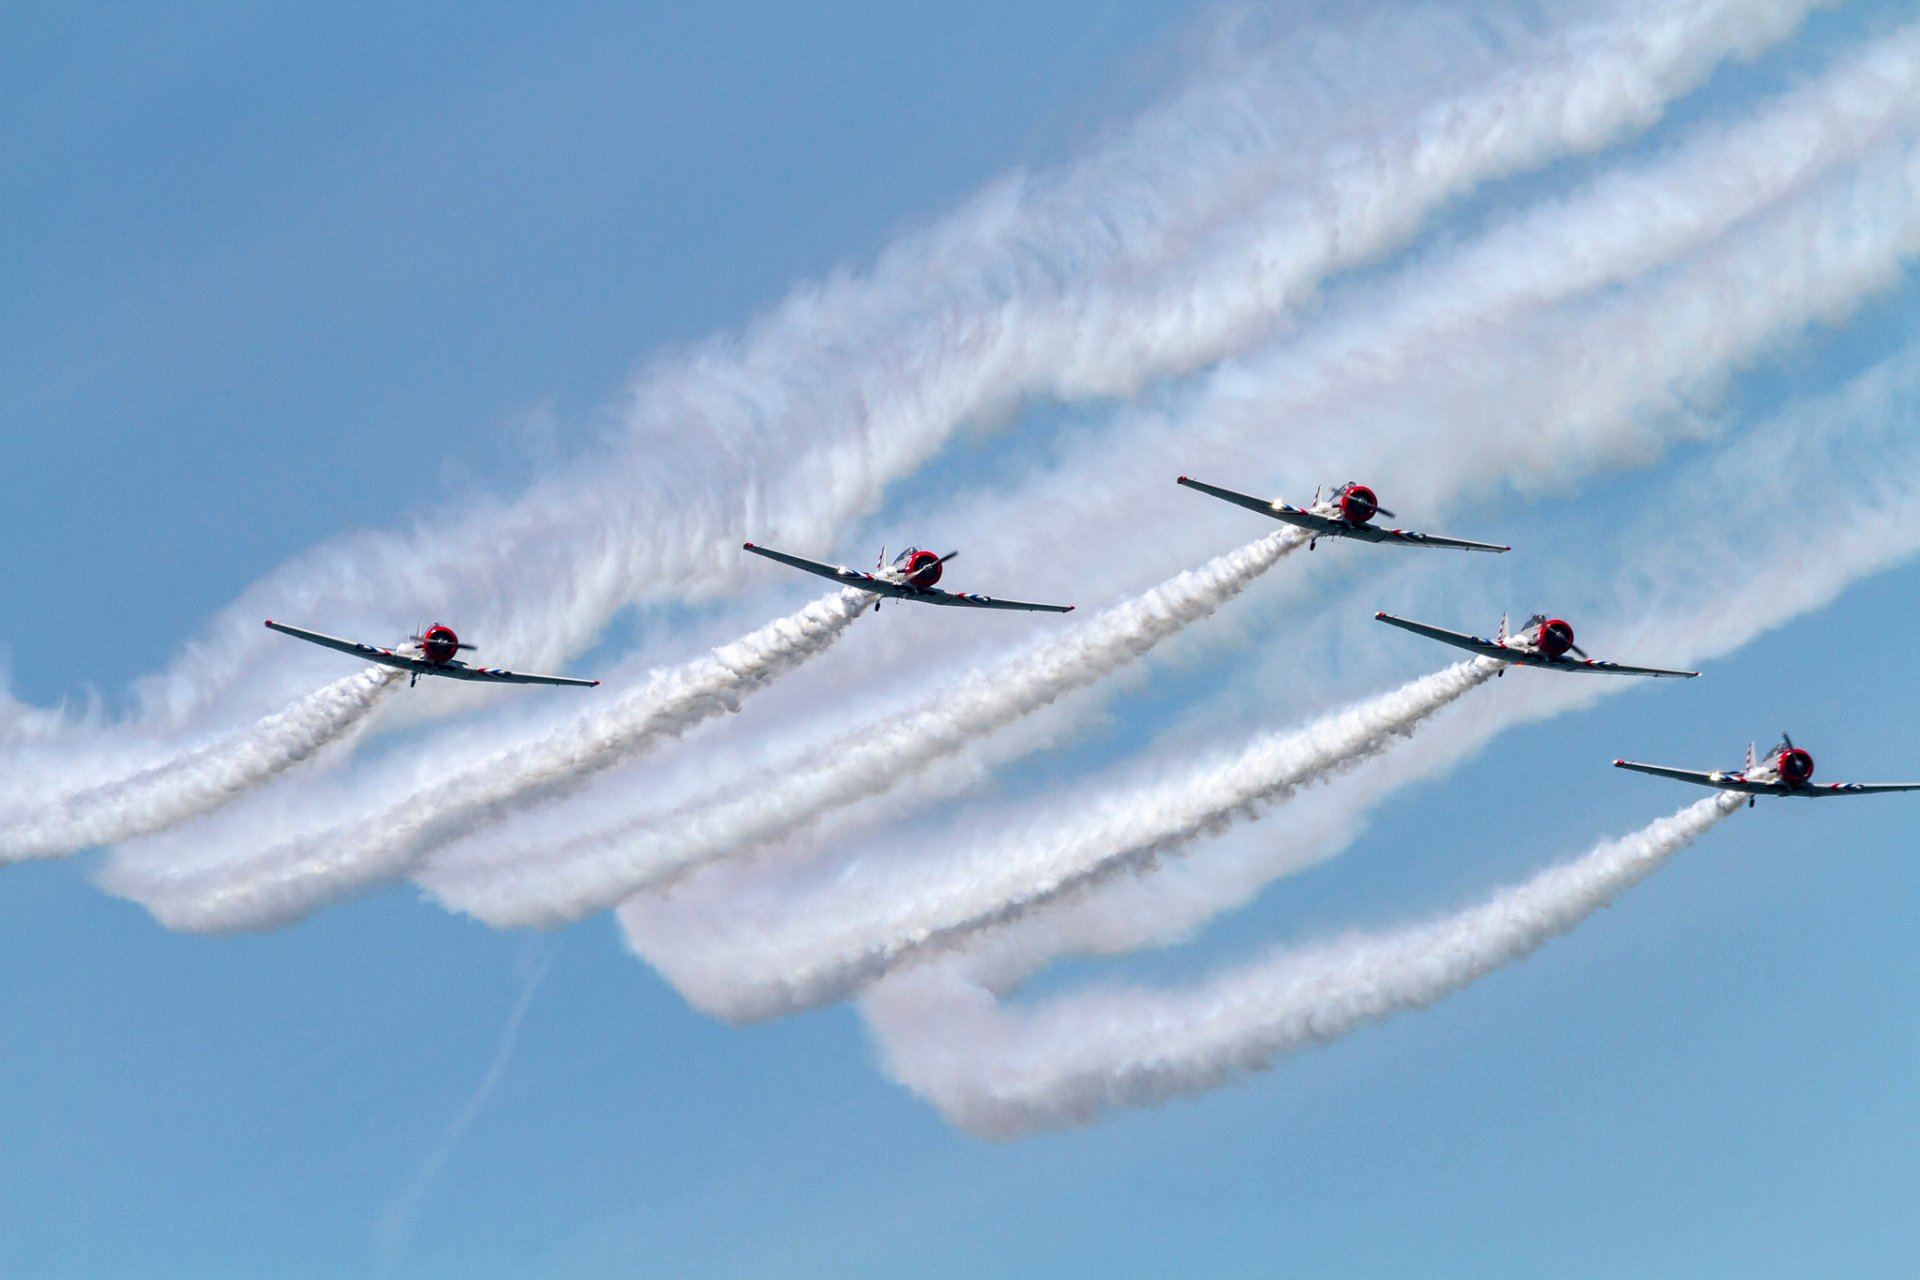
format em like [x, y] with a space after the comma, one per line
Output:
[1556, 637]
[1358, 504]
[439, 645]
[1796, 767]
[924, 569]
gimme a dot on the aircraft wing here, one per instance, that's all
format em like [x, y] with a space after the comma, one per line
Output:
[1408, 538]
[1599, 667]
[1278, 510]
[835, 573]
[1701, 778]
[1458, 639]
[497, 675]
[1521, 657]
[370, 652]
[1275, 508]
[1323, 526]
[963, 599]
[408, 662]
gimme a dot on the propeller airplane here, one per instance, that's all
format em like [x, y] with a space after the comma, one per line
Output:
[430, 653]
[1542, 642]
[1347, 513]
[911, 576]
[1786, 770]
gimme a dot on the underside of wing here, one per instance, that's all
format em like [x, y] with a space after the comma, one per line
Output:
[964, 600]
[1699, 777]
[371, 653]
[1596, 667]
[1851, 789]
[1458, 639]
[499, 675]
[1408, 538]
[1265, 506]
[834, 573]
[1319, 526]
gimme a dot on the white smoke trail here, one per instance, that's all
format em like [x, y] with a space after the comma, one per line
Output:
[1610, 76]
[609, 866]
[304, 871]
[193, 784]
[1005, 1075]
[1032, 289]
[814, 948]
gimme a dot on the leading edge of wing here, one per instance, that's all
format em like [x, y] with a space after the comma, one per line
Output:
[1815, 790]
[966, 600]
[1698, 777]
[1274, 509]
[1458, 639]
[835, 573]
[1264, 506]
[499, 675]
[1598, 667]
[329, 641]
[372, 653]
[1408, 538]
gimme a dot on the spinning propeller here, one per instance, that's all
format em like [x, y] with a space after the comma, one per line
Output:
[1355, 484]
[1541, 620]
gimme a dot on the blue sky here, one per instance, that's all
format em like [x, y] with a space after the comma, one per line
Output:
[272, 276]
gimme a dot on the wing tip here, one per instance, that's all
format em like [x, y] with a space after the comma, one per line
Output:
[1068, 609]
[269, 622]
[746, 546]
[1619, 764]
[1181, 480]
[593, 684]
[1381, 615]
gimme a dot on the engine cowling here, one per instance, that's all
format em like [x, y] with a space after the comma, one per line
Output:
[1358, 504]
[1796, 767]
[1555, 637]
[439, 644]
[922, 569]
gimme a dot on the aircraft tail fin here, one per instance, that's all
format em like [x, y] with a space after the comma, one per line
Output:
[1751, 761]
[1500, 637]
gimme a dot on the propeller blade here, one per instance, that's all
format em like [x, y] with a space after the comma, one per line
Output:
[943, 559]
[1577, 649]
[1786, 738]
[1382, 511]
